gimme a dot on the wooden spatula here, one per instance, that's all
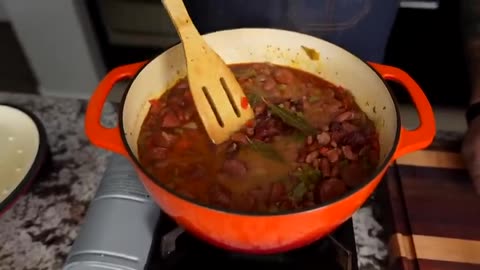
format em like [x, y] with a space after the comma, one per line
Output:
[220, 101]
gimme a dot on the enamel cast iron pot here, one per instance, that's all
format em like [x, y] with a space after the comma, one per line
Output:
[263, 233]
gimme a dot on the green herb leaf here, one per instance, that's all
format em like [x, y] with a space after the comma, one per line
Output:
[245, 73]
[313, 99]
[344, 163]
[298, 192]
[299, 137]
[290, 118]
[265, 149]
[190, 125]
[312, 53]
[273, 209]
[308, 175]
[366, 164]
[254, 99]
[178, 130]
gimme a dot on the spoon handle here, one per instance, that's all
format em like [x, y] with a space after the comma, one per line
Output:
[187, 31]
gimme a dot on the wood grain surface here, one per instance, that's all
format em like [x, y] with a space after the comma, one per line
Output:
[431, 212]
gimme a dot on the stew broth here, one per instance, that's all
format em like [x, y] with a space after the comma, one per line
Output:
[309, 143]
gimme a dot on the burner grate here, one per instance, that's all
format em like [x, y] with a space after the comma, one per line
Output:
[173, 248]
[169, 242]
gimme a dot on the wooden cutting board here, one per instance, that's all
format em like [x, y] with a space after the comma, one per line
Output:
[430, 211]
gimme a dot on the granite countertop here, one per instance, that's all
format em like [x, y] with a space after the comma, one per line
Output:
[38, 231]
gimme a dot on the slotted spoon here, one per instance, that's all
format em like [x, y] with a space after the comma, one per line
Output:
[219, 98]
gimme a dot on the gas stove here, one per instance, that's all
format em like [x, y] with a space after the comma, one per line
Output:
[124, 229]
[173, 248]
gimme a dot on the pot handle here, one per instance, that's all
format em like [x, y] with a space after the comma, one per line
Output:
[107, 138]
[423, 135]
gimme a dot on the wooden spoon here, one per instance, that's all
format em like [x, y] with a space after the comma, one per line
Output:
[219, 98]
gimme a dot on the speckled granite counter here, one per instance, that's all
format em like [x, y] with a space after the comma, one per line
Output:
[38, 231]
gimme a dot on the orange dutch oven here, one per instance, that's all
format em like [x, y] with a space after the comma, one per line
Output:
[263, 233]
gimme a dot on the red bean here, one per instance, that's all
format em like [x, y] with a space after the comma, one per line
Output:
[157, 106]
[159, 166]
[331, 189]
[283, 76]
[347, 152]
[353, 174]
[335, 170]
[175, 100]
[239, 137]
[269, 84]
[234, 167]
[355, 139]
[333, 155]
[260, 108]
[183, 84]
[158, 153]
[250, 131]
[187, 115]
[338, 149]
[220, 195]
[349, 127]
[310, 157]
[278, 192]
[325, 167]
[261, 193]
[345, 116]
[316, 163]
[170, 120]
[309, 140]
[245, 202]
[185, 192]
[195, 172]
[324, 150]
[163, 139]
[323, 138]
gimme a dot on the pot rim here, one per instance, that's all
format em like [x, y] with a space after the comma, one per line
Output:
[388, 157]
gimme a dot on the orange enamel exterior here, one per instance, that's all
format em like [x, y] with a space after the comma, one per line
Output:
[270, 233]
[422, 136]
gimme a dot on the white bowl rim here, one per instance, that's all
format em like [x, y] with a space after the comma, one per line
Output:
[28, 149]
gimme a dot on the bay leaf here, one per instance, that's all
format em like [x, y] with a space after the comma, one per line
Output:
[291, 118]
[266, 150]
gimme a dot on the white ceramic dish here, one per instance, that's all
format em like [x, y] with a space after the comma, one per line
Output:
[23, 150]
